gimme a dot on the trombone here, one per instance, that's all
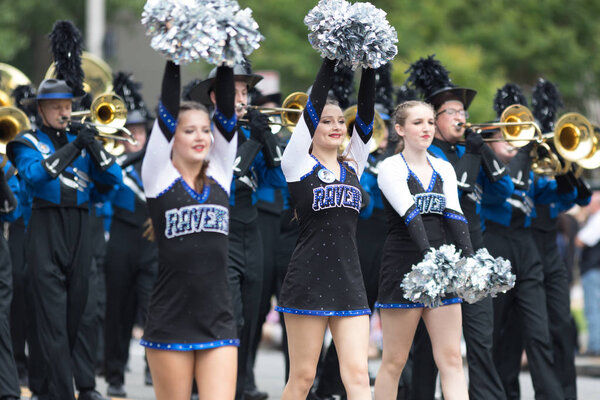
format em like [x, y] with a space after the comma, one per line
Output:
[290, 111]
[517, 125]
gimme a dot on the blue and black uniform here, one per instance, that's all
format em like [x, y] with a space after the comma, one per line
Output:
[10, 210]
[478, 171]
[556, 285]
[59, 175]
[507, 234]
[130, 271]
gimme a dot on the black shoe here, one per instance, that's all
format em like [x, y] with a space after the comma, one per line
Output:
[147, 377]
[91, 395]
[255, 394]
[116, 391]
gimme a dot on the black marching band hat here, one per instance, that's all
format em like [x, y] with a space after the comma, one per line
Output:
[128, 89]
[429, 77]
[200, 92]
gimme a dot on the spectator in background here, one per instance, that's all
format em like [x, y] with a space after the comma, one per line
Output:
[588, 239]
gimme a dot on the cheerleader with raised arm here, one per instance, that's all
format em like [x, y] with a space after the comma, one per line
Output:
[190, 331]
[421, 202]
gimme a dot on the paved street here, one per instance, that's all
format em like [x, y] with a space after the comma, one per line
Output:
[270, 371]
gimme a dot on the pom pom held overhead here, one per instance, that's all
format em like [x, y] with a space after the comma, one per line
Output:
[218, 31]
[357, 35]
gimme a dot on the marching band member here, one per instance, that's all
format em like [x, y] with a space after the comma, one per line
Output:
[257, 164]
[508, 234]
[420, 216]
[478, 170]
[58, 172]
[130, 271]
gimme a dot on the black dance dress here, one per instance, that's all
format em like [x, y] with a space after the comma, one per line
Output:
[324, 276]
[191, 306]
[407, 200]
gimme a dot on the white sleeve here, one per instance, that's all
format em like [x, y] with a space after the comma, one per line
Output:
[158, 172]
[393, 182]
[450, 187]
[296, 162]
[590, 233]
[358, 152]
[222, 156]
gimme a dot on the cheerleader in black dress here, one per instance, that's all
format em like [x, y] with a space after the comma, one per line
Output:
[324, 284]
[421, 201]
[190, 330]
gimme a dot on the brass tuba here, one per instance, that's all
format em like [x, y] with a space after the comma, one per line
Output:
[97, 75]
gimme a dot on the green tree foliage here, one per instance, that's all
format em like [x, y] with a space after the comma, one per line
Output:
[483, 44]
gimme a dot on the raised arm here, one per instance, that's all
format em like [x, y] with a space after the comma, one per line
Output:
[168, 106]
[222, 154]
[358, 149]
[297, 149]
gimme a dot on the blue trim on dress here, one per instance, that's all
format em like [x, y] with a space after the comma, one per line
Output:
[458, 217]
[166, 117]
[431, 181]
[366, 129]
[310, 172]
[324, 313]
[310, 109]
[228, 124]
[342, 169]
[190, 346]
[199, 197]
[454, 300]
[168, 187]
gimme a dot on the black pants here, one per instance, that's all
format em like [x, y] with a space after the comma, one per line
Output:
[269, 226]
[130, 268]
[85, 351]
[370, 237]
[59, 269]
[18, 308]
[245, 274]
[562, 334]
[478, 329]
[9, 378]
[528, 301]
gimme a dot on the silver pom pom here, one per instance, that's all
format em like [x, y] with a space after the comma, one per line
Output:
[482, 275]
[431, 279]
[217, 31]
[355, 35]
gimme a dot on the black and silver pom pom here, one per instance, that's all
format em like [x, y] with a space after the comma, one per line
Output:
[356, 35]
[545, 101]
[217, 31]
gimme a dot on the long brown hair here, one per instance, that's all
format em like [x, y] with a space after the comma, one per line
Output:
[400, 116]
[201, 179]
